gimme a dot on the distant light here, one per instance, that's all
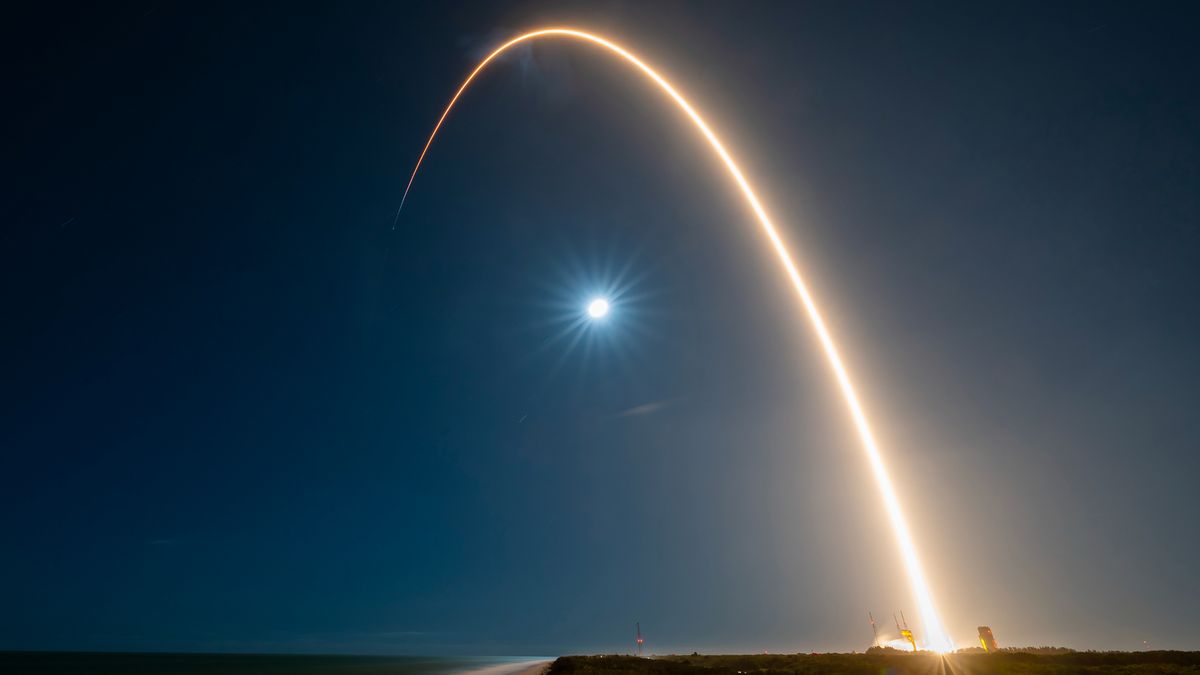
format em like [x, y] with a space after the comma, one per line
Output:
[597, 308]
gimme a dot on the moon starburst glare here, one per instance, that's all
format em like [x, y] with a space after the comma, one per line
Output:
[598, 308]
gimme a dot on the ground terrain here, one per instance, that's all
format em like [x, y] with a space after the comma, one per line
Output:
[895, 663]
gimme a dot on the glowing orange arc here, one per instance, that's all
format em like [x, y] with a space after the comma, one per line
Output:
[936, 637]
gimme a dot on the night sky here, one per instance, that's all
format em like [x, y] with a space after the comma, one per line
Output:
[240, 411]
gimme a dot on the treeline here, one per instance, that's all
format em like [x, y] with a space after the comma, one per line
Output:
[1018, 650]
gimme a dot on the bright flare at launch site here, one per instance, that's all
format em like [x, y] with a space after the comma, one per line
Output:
[934, 635]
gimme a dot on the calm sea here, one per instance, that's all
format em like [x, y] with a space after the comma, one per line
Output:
[255, 664]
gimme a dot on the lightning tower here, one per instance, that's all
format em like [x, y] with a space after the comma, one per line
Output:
[905, 632]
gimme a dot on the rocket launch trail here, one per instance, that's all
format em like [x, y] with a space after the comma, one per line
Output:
[935, 636]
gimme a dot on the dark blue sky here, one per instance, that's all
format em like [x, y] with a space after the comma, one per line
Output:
[241, 412]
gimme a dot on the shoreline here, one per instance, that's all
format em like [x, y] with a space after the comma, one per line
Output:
[536, 667]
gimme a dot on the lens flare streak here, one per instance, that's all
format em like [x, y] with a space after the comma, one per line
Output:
[935, 636]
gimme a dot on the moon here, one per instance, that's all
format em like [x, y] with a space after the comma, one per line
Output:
[597, 308]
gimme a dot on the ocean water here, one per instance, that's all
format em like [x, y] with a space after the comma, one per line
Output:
[107, 663]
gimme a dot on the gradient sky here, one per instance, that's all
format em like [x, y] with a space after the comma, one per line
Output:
[241, 412]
